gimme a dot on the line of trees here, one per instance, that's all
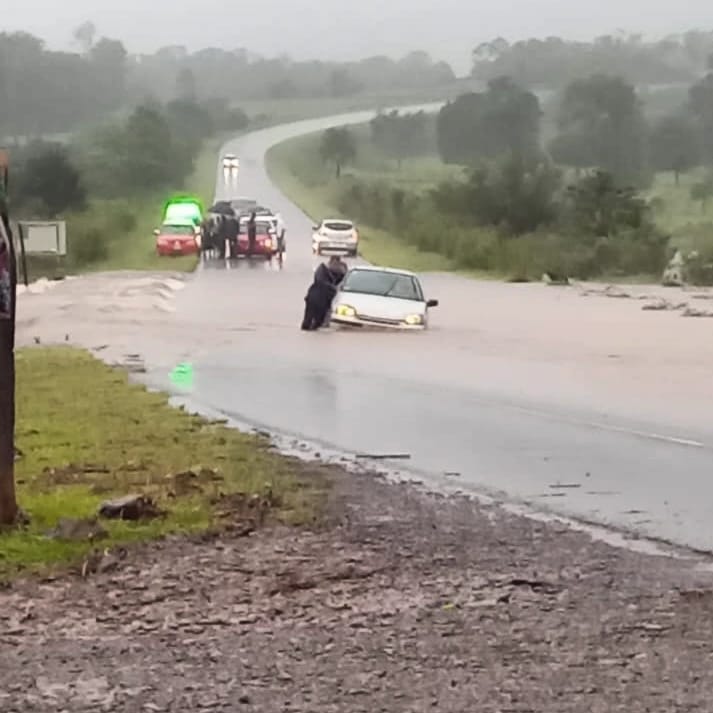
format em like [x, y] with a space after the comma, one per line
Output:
[573, 206]
[112, 169]
[554, 62]
[600, 123]
[48, 92]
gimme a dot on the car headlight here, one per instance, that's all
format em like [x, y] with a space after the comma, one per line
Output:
[414, 319]
[268, 243]
[345, 311]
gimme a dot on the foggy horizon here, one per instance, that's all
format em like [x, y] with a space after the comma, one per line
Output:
[346, 32]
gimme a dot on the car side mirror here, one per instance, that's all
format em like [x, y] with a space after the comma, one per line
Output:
[432, 303]
[157, 232]
[315, 227]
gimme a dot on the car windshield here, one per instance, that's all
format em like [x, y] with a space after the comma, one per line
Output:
[177, 230]
[241, 204]
[261, 226]
[338, 225]
[386, 284]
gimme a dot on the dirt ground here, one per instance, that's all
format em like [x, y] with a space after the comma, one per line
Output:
[401, 602]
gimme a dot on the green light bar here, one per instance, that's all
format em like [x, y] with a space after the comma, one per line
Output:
[183, 208]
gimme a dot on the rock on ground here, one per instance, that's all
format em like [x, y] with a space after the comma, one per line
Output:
[401, 602]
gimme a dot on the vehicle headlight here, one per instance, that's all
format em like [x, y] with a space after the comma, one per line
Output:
[345, 311]
[414, 319]
[268, 243]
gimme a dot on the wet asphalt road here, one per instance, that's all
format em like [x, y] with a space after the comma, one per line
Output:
[539, 431]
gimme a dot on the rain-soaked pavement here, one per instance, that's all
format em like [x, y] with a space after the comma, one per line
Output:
[606, 432]
[572, 401]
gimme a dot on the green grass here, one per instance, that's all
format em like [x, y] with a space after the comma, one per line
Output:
[86, 435]
[678, 209]
[312, 186]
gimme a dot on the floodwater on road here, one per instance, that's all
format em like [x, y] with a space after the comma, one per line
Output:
[563, 397]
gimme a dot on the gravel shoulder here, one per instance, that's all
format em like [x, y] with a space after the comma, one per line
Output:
[400, 601]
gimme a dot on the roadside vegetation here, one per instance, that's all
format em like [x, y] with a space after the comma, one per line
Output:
[85, 436]
[100, 138]
[554, 62]
[110, 183]
[611, 192]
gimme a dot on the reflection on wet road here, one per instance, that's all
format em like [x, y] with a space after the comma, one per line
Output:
[497, 398]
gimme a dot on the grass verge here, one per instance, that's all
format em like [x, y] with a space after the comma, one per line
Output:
[86, 434]
[310, 186]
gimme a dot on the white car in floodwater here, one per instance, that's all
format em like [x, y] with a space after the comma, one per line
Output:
[381, 297]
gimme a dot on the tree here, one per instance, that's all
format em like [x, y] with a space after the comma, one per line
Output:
[342, 84]
[48, 175]
[601, 124]
[703, 191]
[189, 124]
[553, 62]
[8, 278]
[674, 145]
[108, 63]
[700, 103]
[599, 207]
[149, 150]
[186, 85]
[503, 119]
[84, 36]
[338, 145]
[400, 136]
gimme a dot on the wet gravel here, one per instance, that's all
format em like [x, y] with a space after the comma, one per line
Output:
[401, 602]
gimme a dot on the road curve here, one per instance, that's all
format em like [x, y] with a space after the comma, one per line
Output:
[547, 397]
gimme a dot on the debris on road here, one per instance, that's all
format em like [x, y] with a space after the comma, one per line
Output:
[663, 305]
[692, 312]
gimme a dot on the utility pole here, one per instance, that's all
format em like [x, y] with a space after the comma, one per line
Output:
[8, 294]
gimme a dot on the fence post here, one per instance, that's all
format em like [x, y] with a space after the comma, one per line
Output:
[8, 299]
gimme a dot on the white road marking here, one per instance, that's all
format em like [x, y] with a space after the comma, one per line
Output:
[675, 440]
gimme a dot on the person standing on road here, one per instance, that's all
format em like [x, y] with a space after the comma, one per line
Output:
[232, 230]
[223, 234]
[252, 233]
[280, 227]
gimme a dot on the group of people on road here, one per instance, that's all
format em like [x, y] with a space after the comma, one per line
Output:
[327, 278]
[219, 230]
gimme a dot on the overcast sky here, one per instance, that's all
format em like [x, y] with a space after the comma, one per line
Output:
[345, 29]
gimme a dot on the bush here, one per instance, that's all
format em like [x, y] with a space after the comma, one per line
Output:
[88, 244]
[90, 234]
[446, 222]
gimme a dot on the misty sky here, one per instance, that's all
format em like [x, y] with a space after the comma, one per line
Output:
[345, 29]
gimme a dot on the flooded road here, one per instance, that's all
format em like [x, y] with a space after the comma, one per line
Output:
[562, 397]
[580, 403]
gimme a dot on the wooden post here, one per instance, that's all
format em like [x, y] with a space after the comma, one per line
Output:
[8, 294]
[23, 255]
